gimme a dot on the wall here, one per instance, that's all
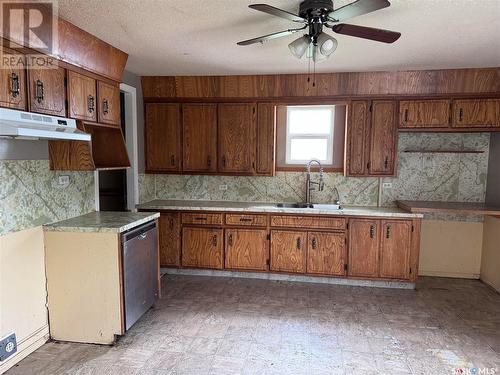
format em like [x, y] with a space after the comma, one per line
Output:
[490, 263]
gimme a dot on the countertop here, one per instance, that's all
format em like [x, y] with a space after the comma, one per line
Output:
[458, 208]
[105, 221]
[256, 207]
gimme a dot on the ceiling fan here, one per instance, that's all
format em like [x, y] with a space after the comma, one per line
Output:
[314, 15]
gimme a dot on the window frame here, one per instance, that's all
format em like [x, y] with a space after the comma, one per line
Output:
[329, 137]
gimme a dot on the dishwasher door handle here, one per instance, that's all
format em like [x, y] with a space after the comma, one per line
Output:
[143, 236]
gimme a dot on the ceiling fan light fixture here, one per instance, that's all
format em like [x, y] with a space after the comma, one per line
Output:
[299, 46]
[326, 44]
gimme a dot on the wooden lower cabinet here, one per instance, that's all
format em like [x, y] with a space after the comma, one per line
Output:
[326, 253]
[364, 240]
[170, 239]
[202, 247]
[395, 249]
[288, 251]
[247, 249]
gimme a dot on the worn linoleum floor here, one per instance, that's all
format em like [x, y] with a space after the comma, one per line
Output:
[206, 325]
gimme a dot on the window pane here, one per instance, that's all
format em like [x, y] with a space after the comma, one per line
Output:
[310, 120]
[305, 149]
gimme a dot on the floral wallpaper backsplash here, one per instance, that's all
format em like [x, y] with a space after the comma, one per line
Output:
[30, 195]
[420, 176]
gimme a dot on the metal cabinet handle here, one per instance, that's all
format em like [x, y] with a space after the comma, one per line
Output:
[143, 236]
[15, 87]
[209, 161]
[201, 218]
[171, 224]
[388, 232]
[313, 243]
[406, 115]
[230, 240]
[245, 219]
[386, 162]
[368, 165]
[461, 114]
[172, 160]
[298, 243]
[224, 161]
[105, 106]
[372, 231]
[214, 240]
[39, 91]
[90, 103]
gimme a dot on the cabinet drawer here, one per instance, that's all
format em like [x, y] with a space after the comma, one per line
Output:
[308, 222]
[254, 220]
[202, 218]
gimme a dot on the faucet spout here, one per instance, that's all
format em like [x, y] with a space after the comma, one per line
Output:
[309, 183]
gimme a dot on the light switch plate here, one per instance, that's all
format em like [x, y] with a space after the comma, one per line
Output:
[222, 187]
[8, 346]
[64, 180]
[387, 185]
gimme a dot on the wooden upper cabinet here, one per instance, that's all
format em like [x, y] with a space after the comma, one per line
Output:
[236, 135]
[384, 132]
[357, 139]
[482, 113]
[364, 238]
[326, 253]
[424, 113]
[108, 98]
[200, 137]
[163, 137]
[170, 239]
[13, 81]
[82, 98]
[202, 247]
[247, 249]
[288, 251]
[395, 249]
[266, 128]
[46, 91]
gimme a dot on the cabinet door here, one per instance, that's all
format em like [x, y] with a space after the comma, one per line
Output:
[266, 127]
[384, 131]
[170, 239]
[237, 123]
[108, 97]
[364, 239]
[424, 113]
[476, 113]
[163, 137]
[13, 81]
[357, 139]
[81, 97]
[199, 122]
[326, 253]
[46, 91]
[202, 247]
[395, 249]
[288, 251]
[247, 249]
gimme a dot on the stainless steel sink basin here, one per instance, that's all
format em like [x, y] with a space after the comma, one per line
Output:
[305, 205]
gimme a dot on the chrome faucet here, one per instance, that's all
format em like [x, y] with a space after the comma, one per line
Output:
[309, 183]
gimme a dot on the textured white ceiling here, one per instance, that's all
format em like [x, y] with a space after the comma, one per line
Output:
[198, 37]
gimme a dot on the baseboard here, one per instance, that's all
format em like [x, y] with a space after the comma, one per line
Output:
[456, 275]
[286, 277]
[26, 347]
[491, 284]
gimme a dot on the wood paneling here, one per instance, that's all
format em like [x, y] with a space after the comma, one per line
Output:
[82, 97]
[266, 128]
[202, 247]
[326, 253]
[424, 113]
[364, 241]
[201, 218]
[46, 91]
[395, 249]
[384, 131]
[357, 139]
[200, 137]
[108, 98]
[288, 251]
[335, 223]
[236, 138]
[247, 249]
[476, 113]
[246, 220]
[163, 137]
[169, 227]
[13, 80]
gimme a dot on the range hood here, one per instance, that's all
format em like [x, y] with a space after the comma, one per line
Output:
[26, 125]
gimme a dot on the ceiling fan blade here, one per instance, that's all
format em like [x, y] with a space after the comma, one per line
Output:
[277, 12]
[379, 35]
[357, 8]
[265, 38]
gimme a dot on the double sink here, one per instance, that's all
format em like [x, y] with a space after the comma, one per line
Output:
[332, 207]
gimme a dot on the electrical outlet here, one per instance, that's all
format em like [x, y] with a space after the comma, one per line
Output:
[387, 185]
[64, 180]
[223, 187]
[8, 346]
